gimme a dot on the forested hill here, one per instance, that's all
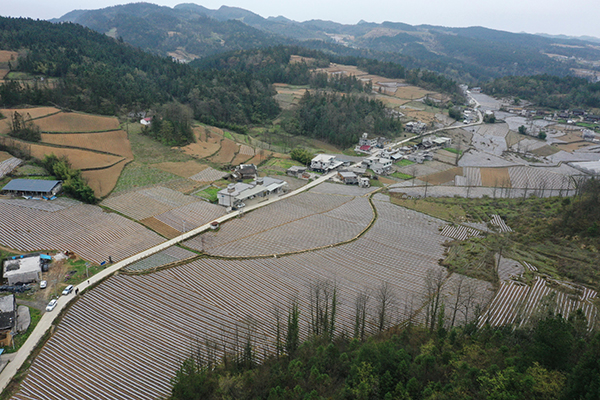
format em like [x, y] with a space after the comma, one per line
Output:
[547, 91]
[98, 74]
[466, 54]
[178, 32]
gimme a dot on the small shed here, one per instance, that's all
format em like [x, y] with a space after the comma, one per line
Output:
[296, 170]
[349, 178]
[8, 319]
[32, 187]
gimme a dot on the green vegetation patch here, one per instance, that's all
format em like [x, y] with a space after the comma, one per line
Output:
[453, 150]
[404, 162]
[80, 270]
[21, 338]
[209, 193]
[138, 175]
[401, 175]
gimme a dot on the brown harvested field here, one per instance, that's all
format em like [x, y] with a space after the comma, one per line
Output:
[3, 72]
[114, 142]
[545, 151]
[513, 138]
[418, 115]
[570, 147]
[411, 92]
[5, 156]
[183, 169]
[206, 144]
[296, 59]
[347, 69]
[241, 159]
[36, 112]
[442, 177]
[80, 159]
[494, 177]
[185, 186]
[228, 150]
[6, 56]
[75, 122]
[260, 156]
[160, 227]
[386, 181]
[103, 181]
[445, 156]
[391, 101]
[571, 136]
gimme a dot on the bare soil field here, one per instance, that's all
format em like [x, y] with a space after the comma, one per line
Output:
[445, 156]
[183, 169]
[513, 138]
[571, 147]
[3, 72]
[411, 92]
[103, 181]
[75, 122]
[241, 159]
[545, 151]
[114, 142]
[80, 159]
[296, 59]
[5, 156]
[259, 157]
[493, 177]
[391, 101]
[418, 115]
[228, 150]
[346, 69]
[36, 112]
[160, 227]
[205, 145]
[7, 55]
[442, 177]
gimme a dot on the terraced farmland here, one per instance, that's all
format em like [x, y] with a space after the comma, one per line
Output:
[165, 257]
[516, 302]
[8, 165]
[149, 202]
[129, 317]
[306, 221]
[86, 230]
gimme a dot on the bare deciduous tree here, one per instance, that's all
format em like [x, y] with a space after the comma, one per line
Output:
[361, 304]
[434, 282]
[385, 300]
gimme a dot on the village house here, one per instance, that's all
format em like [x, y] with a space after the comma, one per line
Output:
[415, 127]
[349, 178]
[24, 269]
[236, 194]
[146, 121]
[325, 163]
[296, 171]
[245, 171]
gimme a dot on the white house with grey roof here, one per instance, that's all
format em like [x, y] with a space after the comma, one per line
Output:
[236, 194]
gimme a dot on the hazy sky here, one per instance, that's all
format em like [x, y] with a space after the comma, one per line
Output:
[575, 17]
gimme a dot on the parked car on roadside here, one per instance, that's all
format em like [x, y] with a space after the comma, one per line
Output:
[43, 284]
[67, 290]
[51, 305]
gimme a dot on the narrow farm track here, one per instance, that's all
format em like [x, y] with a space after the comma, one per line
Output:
[143, 326]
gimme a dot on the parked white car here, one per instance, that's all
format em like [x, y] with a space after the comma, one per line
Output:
[43, 284]
[51, 305]
[67, 290]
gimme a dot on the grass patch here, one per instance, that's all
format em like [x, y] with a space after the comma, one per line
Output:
[400, 175]
[77, 271]
[19, 76]
[138, 175]
[21, 338]
[149, 151]
[228, 135]
[30, 170]
[210, 194]
[442, 211]
[452, 150]
[404, 162]
[472, 258]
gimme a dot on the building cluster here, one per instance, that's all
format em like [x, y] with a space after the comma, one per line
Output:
[236, 195]
[18, 270]
[366, 145]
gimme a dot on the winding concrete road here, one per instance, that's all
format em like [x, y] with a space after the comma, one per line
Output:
[48, 318]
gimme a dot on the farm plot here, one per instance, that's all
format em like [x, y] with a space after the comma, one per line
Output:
[37, 112]
[160, 227]
[226, 153]
[114, 142]
[80, 159]
[183, 169]
[165, 257]
[306, 221]
[86, 230]
[439, 178]
[495, 177]
[5, 156]
[8, 165]
[539, 178]
[516, 302]
[459, 232]
[427, 168]
[103, 181]
[191, 216]
[209, 300]
[411, 92]
[208, 175]
[206, 144]
[508, 268]
[149, 202]
[76, 122]
[246, 152]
